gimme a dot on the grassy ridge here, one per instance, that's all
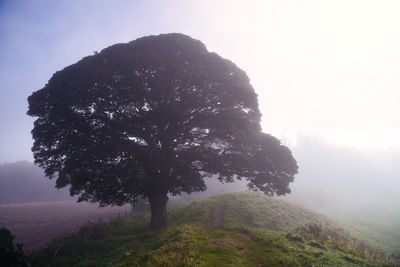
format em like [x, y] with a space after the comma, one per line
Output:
[242, 229]
[384, 238]
[248, 209]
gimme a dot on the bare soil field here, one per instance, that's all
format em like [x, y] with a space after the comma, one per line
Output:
[35, 224]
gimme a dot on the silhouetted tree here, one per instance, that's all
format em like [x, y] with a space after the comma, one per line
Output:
[150, 118]
[11, 255]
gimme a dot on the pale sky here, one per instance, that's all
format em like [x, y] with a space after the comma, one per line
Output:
[324, 68]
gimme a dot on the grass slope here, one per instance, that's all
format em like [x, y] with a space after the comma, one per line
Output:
[241, 229]
[378, 235]
[247, 209]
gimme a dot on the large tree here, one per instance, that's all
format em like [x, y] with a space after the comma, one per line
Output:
[150, 118]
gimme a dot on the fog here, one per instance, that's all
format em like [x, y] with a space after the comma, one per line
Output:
[342, 182]
[22, 182]
[346, 182]
[326, 74]
[359, 188]
[314, 73]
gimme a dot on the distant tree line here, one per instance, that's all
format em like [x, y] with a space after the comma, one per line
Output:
[22, 182]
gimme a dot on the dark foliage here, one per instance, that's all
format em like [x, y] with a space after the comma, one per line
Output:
[154, 117]
[11, 255]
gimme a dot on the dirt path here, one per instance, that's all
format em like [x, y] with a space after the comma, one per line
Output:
[219, 214]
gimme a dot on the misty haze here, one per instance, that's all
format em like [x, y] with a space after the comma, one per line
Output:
[200, 133]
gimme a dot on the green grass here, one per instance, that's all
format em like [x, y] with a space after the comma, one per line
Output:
[253, 231]
[383, 238]
[376, 222]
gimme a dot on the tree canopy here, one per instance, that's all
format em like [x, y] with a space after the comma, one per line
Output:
[154, 117]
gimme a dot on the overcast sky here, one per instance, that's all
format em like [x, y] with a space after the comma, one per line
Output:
[325, 68]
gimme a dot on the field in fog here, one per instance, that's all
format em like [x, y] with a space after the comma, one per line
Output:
[34, 224]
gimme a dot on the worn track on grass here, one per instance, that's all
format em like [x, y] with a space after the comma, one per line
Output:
[218, 218]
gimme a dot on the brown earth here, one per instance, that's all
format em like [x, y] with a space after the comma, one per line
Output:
[35, 224]
[218, 218]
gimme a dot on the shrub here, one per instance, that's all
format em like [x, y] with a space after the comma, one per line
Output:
[295, 238]
[94, 231]
[11, 255]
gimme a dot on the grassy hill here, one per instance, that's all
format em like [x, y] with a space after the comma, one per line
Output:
[384, 238]
[241, 229]
[247, 209]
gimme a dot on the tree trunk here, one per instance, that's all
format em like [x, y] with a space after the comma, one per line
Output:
[158, 205]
